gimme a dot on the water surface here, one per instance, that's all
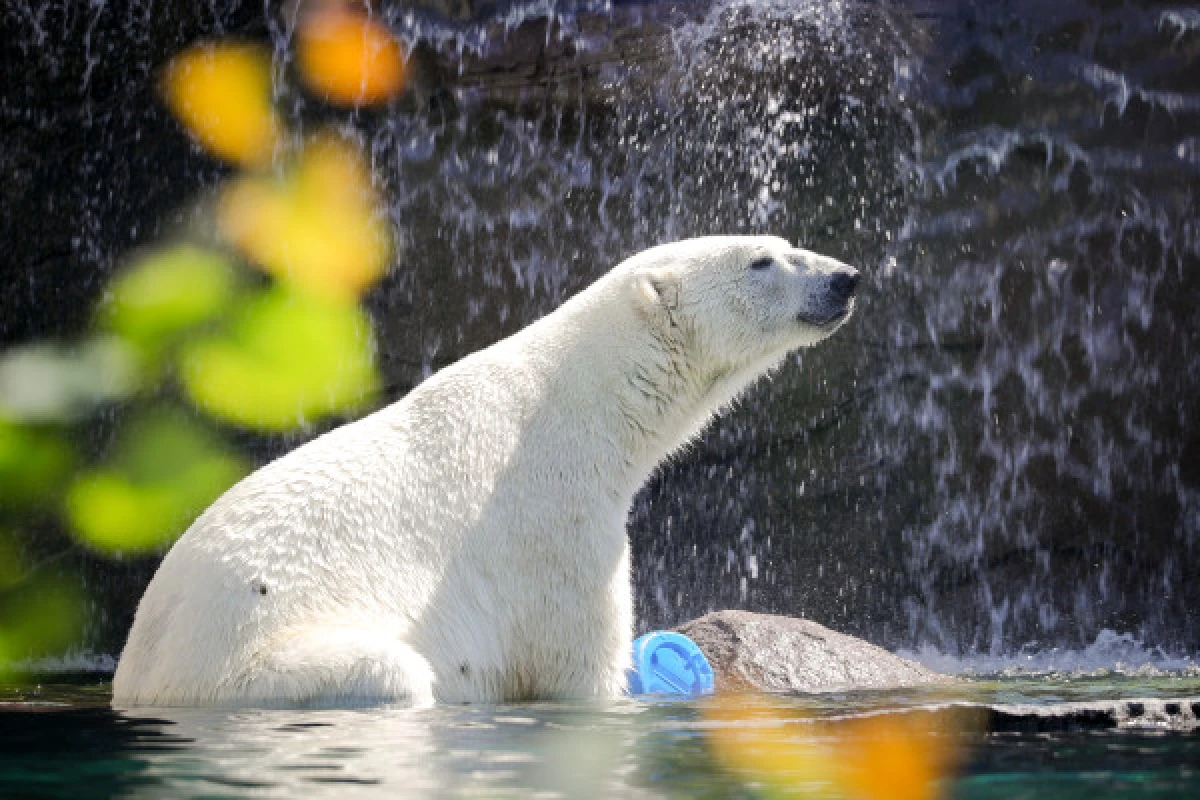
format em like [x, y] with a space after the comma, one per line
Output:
[63, 739]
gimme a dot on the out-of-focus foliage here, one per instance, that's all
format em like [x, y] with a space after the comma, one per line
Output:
[316, 227]
[34, 465]
[221, 92]
[45, 382]
[164, 471]
[12, 565]
[167, 292]
[192, 322]
[37, 618]
[348, 58]
[285, 358]
[882, 757]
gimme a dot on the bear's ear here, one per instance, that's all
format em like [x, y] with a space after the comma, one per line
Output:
[658, 290]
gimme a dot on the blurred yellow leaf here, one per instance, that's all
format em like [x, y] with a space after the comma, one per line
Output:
[882, 757]
[287, 359]
[749, 735]
[221, 92]
[317, 228]
[164, 471]
[34, 464]
[896, 757]
[348, 58]
[166, 292]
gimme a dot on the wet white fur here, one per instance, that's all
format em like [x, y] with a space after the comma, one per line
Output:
[468, 542]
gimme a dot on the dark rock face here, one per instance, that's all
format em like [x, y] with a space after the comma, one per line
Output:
[1002, 448]
[770, 653]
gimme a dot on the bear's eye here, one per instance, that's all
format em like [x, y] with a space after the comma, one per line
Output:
[765, 262]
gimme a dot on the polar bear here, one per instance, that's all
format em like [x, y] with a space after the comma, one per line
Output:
[468, 543]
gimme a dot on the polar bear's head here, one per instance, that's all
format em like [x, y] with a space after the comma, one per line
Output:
[734, 301]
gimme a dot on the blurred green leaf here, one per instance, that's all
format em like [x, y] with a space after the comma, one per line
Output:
[12, 565]
[34, 464]
[38, 619]
[286, 359]
[164, 471]
[55, 383]
[167, 292]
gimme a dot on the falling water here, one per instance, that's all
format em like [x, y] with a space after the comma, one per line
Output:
[1001, 451]
[1052, 257]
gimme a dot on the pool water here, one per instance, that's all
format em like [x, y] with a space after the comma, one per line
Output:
[61, 738]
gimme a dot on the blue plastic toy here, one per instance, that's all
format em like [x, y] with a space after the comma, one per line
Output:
[665, 662]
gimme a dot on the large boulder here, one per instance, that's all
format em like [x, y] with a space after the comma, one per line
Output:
[770, 653]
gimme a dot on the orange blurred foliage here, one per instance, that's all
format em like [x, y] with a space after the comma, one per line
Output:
[887, 756]
[897, 756]
[317, 228]
[221, 92]
[348, 58]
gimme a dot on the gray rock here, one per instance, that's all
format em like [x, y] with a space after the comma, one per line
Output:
[770, 653]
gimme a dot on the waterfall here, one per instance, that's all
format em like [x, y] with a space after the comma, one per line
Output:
[1002, 449]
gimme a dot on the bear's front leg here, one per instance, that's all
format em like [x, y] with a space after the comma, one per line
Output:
[331, 665]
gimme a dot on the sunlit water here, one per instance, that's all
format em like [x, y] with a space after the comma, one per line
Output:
[999, 457]
[62, 739]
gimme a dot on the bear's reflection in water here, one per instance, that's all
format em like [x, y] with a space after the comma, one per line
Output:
[610, 749]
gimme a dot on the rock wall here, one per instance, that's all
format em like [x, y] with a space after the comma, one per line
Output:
[1000, 451]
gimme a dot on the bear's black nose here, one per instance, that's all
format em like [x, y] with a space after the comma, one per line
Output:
[843, 284]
